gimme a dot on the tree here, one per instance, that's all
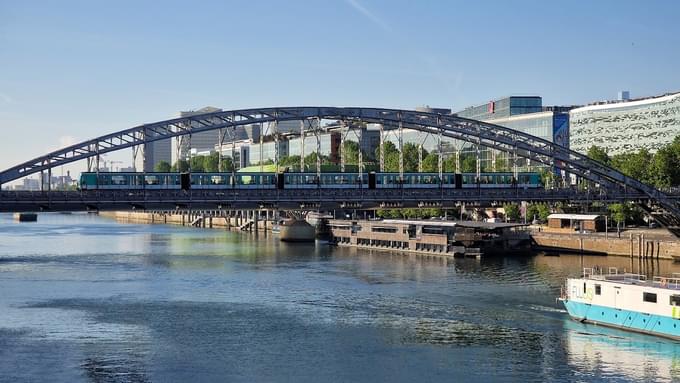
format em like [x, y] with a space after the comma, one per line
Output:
[432, 212]
[391, 156]
[620, 213]
[411, 213]
[532, 212]
[382, 213]
[511, 212]
[180, 166]
[411, 157]
[431, 163]
[310, 160]
[163, 167]
[635, 165]
[227, 164]
[450, 164]
[665, 167]
[599, 154]
[468, 164]
[211, 162]
[501, 164]
[351, 152]
[543, 212]
[538, 211]
[197, 164]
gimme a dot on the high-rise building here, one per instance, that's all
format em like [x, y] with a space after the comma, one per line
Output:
[155, 152]
[199, 142]
[620, 127]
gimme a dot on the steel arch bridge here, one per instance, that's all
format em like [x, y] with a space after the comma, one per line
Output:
[518, 144]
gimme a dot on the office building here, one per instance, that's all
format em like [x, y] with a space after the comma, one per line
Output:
[626, 126]
[182, 146]
[503, 108]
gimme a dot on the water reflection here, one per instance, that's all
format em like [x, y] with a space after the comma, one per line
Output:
[603, 351]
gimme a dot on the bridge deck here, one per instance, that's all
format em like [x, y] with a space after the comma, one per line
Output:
[18, 201]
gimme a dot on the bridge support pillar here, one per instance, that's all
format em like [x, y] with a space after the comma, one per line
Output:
[255, 217]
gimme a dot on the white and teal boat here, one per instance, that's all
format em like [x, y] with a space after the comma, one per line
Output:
[626, 301]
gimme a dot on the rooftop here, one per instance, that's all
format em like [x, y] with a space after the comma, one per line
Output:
[582, 217]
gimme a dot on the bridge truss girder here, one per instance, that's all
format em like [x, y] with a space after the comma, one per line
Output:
[479, 133]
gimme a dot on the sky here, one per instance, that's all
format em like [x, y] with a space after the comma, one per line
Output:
[73, 70]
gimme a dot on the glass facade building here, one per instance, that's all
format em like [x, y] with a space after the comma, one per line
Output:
[550, 126]
[268, 151]
[504, 107]
[626, 126]
[328, 145]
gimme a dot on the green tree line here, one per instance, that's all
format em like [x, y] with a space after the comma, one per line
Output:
[661, 169]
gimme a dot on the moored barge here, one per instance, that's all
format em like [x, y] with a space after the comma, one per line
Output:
[626, 301]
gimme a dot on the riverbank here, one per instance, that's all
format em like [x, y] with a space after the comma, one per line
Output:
[195, 219]
[635, 244]
[632, 244]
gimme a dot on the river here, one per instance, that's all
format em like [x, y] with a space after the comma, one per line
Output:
[88, 299]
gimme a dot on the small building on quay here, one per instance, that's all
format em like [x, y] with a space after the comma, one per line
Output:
[576, 222]
[451, 238]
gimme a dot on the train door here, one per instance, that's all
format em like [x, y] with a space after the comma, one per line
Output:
[371, 180]
[279, 180]
[185, 181]
[458, 179]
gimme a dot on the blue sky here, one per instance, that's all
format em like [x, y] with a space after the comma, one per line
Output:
[72, 70]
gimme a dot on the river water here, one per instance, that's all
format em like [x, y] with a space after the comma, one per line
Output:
[87, 299]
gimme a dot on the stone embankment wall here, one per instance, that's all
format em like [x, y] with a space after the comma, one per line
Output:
[190, 219]
[634, 245]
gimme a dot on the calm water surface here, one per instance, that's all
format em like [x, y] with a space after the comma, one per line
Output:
[86, 299]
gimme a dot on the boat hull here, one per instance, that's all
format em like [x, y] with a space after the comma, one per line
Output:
[624, 319]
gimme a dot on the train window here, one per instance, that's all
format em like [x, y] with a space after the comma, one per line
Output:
[649, 297]
[598, 290]
[118, 180]
[151, 180]
[675, 300]
[217, 180]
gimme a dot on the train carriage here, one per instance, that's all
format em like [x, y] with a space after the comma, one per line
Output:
[336, 180]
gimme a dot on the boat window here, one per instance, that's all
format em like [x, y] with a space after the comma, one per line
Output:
[598, 290]
[675, 300]
[649, 297]
[584, 287]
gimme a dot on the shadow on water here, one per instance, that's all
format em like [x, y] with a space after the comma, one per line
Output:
[114, 371]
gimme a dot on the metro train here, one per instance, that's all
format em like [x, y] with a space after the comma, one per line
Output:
[289, 180]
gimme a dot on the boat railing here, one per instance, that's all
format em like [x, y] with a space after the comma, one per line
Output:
[668, 282]
[613, 274]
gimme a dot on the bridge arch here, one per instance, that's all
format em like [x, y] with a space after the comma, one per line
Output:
[476, 132]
